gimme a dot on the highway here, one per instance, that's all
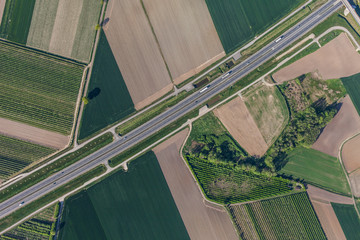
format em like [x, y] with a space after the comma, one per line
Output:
[149, 128]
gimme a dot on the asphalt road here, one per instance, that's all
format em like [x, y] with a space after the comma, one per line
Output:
[157, 123]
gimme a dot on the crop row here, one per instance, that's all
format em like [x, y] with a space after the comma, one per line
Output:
[16, 154]
[38, 89]
[289, 217]
[224, 184]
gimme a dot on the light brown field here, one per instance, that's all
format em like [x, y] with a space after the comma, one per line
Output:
[2, 6]
[336, 59]
[32, 134]
[344, 125]
[62, 35]
[187, 35]
[351, 154]
[238, 121]
[355, 182]
[320, 195]
[202, 221]
[328, 221]
[136, 51]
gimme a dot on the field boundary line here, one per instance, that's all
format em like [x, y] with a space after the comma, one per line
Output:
[344, 169]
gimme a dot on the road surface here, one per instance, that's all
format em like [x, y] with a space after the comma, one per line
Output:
[171, 115]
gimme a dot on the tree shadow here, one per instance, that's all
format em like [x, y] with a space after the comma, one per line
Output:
[94, 93]
[104, 22]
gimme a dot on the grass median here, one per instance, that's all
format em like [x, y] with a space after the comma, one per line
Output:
[56, 166]
[35, 205]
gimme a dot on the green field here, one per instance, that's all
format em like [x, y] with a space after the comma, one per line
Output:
[349, 220]
[39, 227]
[224, 183]
[111, 100]
[16, 20]
[289, 217]
[127, 205]
[16, 155]
[352, 86]
[316, 168]
[38, 89]
[237, 21]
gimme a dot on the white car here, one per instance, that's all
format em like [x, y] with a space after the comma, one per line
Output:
[22, 203]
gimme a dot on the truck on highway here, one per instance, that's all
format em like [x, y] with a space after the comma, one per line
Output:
[204, 89]
[279, 39]
[227, 74]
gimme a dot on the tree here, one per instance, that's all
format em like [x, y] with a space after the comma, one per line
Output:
[97, 27]
[85, 100]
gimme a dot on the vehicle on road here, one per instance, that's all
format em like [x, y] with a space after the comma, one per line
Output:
[279, 39]
[204, 89]
[22, 203]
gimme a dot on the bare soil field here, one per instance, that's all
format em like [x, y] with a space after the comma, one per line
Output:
[320, 195]
[201, 220]
[268, 108]
[65, 27]
[328, 221]
[2, 6]
[344, 125]
[32, 134]
[136, 51]
[355, 182]
[187, 35]
[241, 125]
[350, 154]
[336, 59]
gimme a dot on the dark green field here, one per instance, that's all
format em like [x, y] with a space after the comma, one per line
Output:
[38, 89]
[316, 168]
[16, 154]
[127, 205]
[352, 86]
[109, 99]
[349, 220]
[16, 20]
[237, 21]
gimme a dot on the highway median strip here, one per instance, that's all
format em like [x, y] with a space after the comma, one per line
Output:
[54, 167]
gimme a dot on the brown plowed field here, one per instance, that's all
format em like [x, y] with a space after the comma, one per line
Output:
[351, 153]
[202, 221]
[320, 195]
[32, 134]
[355, 182]
[344, 125]
[136, 51]
[187, 35]
[239, 122]
[2, 6]
[329, 221]
[336, 59]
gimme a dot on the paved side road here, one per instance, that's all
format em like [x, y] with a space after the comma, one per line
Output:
[171, 115]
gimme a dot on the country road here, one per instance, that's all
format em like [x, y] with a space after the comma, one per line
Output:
[154, 125]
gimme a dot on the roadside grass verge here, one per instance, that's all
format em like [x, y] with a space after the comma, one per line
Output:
[16, 20]
[328, 37]
[35, 205]
[54, 167]
[151, 113]
[113, 162]
[310, 165]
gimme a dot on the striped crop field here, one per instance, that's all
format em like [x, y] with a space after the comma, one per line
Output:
[16, 154]
[38, 89]
[39, 227]
[289, 217]
[224, 184]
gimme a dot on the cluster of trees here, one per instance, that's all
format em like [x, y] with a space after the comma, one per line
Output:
[303, 129]
[223, 148]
